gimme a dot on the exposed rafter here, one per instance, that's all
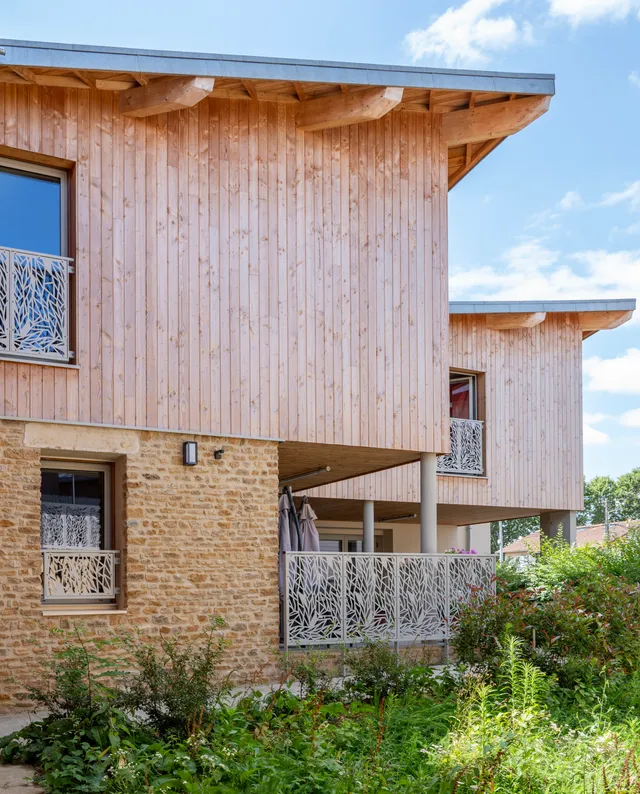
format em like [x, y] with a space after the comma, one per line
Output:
[251, 89]
[506, 321]
[338, 110]
[161, 96]
[489, 122]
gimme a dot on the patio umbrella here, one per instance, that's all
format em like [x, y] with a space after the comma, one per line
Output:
[287, 533]
[310, 539]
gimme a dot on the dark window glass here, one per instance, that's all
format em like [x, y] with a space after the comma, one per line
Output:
[330, 545]
[30, 211]
[354, 546]
[460, 399]
[73, 505]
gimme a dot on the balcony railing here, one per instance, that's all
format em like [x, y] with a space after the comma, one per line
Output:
[80, 575]
[346, 598]
[34, 305]
[466, 449]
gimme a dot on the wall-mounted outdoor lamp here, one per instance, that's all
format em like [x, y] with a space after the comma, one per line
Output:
[218, 453]
[190, 453]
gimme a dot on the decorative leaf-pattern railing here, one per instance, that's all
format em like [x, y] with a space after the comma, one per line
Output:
[34, 305]
[466, 449]
[77, 575]
[333, 598]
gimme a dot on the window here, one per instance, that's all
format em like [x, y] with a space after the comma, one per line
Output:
[348, 543]
[76, 506]
[462, 396]
[33, 208]
[34, 267]
[79, 562]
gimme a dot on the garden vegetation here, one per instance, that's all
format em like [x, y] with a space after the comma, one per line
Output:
[544, 699]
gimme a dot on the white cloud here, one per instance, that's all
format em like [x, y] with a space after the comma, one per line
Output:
[577, 12]
[535, 272]
[590, 434]
[634, 79]
[571, 200]
[469, 34]
[631, 418]
[620, 375]
[630, 195]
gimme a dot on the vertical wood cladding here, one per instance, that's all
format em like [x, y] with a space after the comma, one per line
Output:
[532, 413]
[235, 275]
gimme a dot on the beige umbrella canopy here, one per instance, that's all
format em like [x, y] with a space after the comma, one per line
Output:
[310, 540]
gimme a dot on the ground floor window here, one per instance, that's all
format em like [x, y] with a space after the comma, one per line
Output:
[349, 543]
[79, 561]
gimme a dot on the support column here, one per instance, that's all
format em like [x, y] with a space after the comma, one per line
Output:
[368, 543]
[559, 523]
[428, 504]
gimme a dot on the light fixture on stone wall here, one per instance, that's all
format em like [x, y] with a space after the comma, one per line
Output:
[218, 453]
[190, 453]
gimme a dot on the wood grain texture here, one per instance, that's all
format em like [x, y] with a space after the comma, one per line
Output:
[238, 276]
[531, 402]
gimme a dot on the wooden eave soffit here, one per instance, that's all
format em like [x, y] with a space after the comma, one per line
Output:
[505, 322]
[602, 321]
[489, 122]
[339, 110]
[161, 96]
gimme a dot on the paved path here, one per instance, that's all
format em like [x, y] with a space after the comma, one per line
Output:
[17, 779]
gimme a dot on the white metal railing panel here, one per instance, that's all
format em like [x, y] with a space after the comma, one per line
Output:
[34, 305]
[335, 598]
[73, 575]
[466, 448]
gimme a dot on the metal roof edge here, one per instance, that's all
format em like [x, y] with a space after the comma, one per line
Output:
[516, 307]
[122, 59]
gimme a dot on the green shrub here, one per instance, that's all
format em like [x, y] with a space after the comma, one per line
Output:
[79, 678]
[574, 631]
[176, 683]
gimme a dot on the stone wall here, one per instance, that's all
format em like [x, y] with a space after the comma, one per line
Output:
[198, 541]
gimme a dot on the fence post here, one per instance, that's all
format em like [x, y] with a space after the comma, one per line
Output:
[285, 621]
[343, 599]
[447, 595]
[396, 606]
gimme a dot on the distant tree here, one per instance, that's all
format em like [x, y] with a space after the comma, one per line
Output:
[595, 492]
[627, 495]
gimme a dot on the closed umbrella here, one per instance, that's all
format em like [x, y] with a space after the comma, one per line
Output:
[287, 533]
[309, 534]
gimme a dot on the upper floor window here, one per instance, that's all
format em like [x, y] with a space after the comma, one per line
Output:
[34, 267]
[462, 396]
[33, 208]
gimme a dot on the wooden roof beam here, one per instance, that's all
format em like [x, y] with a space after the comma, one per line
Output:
[603, 321]
[162, 96]
[488, 122]
[339, 110]
[508, 321]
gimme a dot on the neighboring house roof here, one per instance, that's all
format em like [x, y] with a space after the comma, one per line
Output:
[593, 534]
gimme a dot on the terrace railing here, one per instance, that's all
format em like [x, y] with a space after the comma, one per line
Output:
[466, 449]
[76, 575]
[34, 305]
[337, 598]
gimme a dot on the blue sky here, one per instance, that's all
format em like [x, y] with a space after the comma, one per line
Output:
[553, 213]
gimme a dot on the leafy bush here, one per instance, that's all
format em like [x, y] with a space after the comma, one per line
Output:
[577, 618]
[78, 679]
[377, 671]
[176, 684]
